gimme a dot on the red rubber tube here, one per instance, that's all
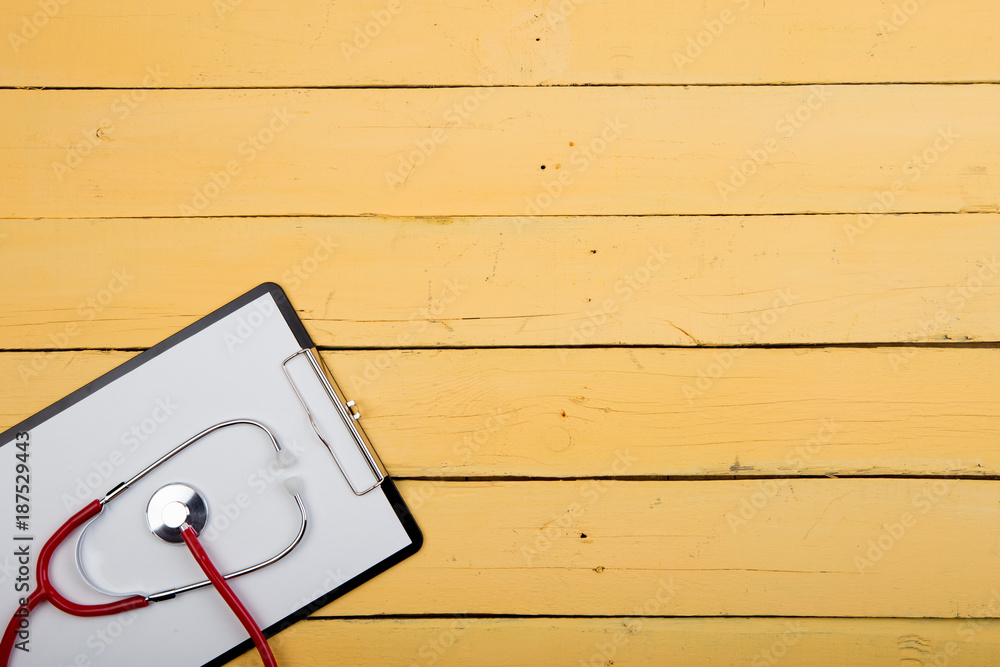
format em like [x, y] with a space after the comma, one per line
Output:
[46, 591]
[191, 540]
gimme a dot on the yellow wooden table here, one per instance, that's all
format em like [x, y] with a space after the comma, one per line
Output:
[675, 321]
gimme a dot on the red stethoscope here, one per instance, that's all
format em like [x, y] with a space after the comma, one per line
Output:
[176, 513]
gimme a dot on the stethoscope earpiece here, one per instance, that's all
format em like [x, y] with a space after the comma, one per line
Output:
[176, 513]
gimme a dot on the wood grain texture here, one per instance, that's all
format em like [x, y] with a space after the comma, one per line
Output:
[531, 413]
[635, 642]
[235, 43]
[605, 150]
[808, 547]
[506, 178]
[403, 283]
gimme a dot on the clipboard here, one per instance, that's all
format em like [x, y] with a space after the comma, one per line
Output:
[252, 359]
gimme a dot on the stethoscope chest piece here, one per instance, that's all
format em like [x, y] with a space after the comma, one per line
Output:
[176, 514]
[173, 506]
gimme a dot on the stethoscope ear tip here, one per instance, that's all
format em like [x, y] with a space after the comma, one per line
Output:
[293, 485]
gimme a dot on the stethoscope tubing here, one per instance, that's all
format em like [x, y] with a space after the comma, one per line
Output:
[46, 591]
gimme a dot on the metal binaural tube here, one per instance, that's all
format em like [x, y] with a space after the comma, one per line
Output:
[120, 489]
[172, 592]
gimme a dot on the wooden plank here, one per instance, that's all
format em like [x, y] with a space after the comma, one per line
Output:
[32, 381]
[635, 642]
[478, 282]
[807, 547]
[232, 43]
[501, 151]
[565, 413]
[531, 413]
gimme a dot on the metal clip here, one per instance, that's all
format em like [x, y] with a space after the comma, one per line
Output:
[363, 473]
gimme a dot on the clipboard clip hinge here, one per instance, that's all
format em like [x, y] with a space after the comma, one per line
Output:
[363, 473]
